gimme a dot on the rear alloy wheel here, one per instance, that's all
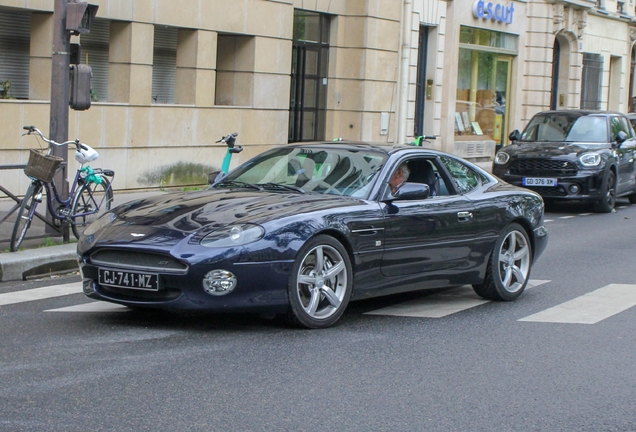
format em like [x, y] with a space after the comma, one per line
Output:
[607, 202]
[320, 283]
[509, 266]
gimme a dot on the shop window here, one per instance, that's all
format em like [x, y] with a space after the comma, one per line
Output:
[94, 52]
[482, 83]
[591, 81]
[164, 65]
[15, 37]
[235, 70]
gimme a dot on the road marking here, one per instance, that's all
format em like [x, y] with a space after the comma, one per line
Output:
[40, 293]
[591, 307]
[92, 307]
[442, 304]
[566, 217]
[436, 305]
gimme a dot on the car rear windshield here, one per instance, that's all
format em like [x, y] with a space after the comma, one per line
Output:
[566, 128]
[314, 169]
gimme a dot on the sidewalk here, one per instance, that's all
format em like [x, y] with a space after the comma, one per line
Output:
[36, 256]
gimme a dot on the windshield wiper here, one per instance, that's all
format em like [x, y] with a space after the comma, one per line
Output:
[233, 183]
[281, 186]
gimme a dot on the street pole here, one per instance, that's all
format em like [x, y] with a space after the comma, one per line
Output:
[60, 88]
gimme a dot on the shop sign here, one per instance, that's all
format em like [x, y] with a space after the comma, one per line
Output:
[493, 11]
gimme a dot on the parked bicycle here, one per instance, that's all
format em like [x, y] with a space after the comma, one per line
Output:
[90, 194]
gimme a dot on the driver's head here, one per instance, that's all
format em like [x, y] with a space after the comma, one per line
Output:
[399, 176]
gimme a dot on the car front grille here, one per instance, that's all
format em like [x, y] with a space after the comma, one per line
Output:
[139, 261]
[125, 294]
[548, 192]
[543, 167]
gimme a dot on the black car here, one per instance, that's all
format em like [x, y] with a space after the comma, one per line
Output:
[302, 229]
[573, 155]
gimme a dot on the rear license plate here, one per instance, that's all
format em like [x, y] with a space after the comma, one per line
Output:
[539, 181]
[126, 279]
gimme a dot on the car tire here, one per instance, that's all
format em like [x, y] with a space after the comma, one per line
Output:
[509, 266]
[607, 203]
[320, 283]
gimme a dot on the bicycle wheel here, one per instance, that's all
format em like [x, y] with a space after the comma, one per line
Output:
[25, 214]
[90, 202]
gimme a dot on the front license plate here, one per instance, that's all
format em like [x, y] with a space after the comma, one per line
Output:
[126, 279]
[539, 181]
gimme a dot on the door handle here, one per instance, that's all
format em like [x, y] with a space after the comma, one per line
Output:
[464, 216]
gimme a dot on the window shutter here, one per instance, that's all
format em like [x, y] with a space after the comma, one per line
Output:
[15, 38]
[164, 68]
[94, 52]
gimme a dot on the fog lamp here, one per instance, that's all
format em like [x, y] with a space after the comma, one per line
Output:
[574, 189]
[219, 282]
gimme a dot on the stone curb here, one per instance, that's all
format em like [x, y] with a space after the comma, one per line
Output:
[34, 262]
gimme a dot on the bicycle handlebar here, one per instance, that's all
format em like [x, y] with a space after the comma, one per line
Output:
[33, 129]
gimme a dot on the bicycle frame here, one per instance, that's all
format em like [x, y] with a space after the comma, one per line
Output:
[54, 198]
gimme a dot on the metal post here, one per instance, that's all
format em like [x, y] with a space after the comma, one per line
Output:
[60, 87]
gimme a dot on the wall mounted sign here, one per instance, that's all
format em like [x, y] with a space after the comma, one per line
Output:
[490, 11]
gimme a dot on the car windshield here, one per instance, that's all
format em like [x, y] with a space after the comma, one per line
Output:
[566, 128]
[321, 170]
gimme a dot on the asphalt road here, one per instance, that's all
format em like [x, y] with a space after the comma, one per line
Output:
[487, 366]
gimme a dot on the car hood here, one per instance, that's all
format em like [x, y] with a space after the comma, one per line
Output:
[551, 149]
[170, 218]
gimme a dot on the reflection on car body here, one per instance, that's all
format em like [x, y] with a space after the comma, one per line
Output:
[303, 229]
[573, 155]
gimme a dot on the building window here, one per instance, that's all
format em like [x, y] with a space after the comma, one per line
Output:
[591, 81]
[95, 52]
[164, 65]
[15, 37]
[483, 82]
[235, 70]
[310, 66]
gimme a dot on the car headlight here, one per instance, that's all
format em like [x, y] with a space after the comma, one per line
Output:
[590, 159]
[234, 235]
[502, 158]
[104, 220]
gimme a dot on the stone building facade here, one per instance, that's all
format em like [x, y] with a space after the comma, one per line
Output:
[170, 78]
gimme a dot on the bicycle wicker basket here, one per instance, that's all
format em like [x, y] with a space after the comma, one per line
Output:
[42, 166]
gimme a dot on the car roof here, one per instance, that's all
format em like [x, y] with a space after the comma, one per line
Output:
[580, 112]
[380, 147]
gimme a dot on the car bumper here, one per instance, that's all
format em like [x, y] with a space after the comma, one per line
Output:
[585, 185]
[260, 287]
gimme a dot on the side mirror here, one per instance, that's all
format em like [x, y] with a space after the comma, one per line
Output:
[515, 135]
[621, 137]
[412, 191]
[215, 177]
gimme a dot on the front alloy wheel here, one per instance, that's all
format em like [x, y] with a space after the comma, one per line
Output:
[320, 285]
[509, 267]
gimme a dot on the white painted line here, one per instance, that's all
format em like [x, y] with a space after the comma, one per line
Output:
[548, 220]
[591, 307]
[536, 282]
[436, 305]
[442, 304]
[585, 214]
[40, 293]
[566, 217]
[96, 306]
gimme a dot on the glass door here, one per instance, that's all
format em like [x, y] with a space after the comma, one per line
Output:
[502, 92]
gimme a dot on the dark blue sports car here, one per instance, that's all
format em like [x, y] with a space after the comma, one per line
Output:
[303, 229]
